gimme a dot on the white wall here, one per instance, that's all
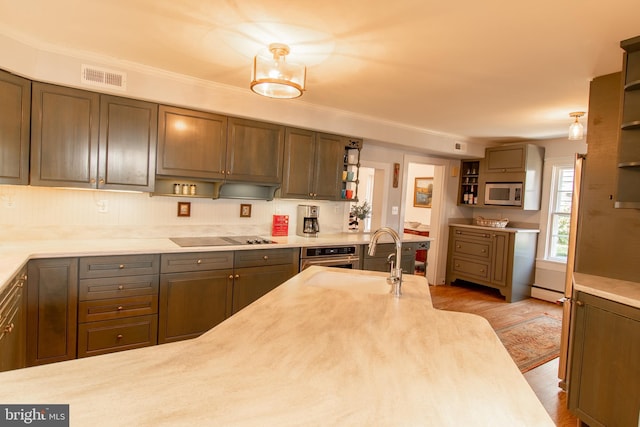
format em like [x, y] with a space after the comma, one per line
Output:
[38, 212]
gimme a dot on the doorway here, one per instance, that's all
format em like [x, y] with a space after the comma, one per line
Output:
[422, 208]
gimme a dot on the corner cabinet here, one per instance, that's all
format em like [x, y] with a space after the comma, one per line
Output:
[504, 260]
[312, 165]
[83, 139]
[628, 186]
[604, 375]
[15, 110]
[52, 310]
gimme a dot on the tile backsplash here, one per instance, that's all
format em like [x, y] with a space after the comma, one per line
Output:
[28, 212]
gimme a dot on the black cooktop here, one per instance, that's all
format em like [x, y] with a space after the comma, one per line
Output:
[220, 241]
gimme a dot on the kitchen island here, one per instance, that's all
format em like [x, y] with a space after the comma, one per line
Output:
[328, 347]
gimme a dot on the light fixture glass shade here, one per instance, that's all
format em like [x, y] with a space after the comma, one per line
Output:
[274, 77]
[576, 130]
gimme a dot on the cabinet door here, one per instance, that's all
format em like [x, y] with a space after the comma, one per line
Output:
[328, 166]
[604, 378]
[52, 309]
[128, 136]
[15, 107]
[299, 160]
[193, 303]
[254, 151]
[191, 143]
[500, 258]
[252, 283]
[506, 159]
[64, 136]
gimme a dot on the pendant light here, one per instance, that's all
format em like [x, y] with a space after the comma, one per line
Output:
[576, 130]
[274, 77]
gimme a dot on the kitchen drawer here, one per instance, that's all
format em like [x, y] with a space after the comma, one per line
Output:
[116, 308]
[115, 335]
[118, 287]
[469, 233]
[196, 261]
[481, 249]
[260, 257]
[476, 269]
[116, 266]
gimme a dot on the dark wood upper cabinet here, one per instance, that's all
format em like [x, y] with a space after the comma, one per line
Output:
[128, 134]
[15, 108]
[312, 165]
[191, 143]
[254, 151]
[64, 136]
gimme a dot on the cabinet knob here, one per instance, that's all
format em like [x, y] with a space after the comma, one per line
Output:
[457, 265]
[121, 266]
[101, 181]
[119, 337]
[92, 180]
[120, 308]
[120, 287]
[482, 270]
[458, 246]
[231, 277]
[199, 261]
[484, 251]
[237, 276]
[579, 303]
[266, 257]
[9, 328]
[458, 232]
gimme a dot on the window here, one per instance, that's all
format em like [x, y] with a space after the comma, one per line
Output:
[559, 213]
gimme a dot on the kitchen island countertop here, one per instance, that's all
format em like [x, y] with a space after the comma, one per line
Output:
[312, 352]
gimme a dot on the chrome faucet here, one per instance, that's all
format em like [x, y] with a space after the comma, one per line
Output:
[395, 278]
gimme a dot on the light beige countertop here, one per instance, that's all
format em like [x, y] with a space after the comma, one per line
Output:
[16, 253]
[621, 291]
[312, 352]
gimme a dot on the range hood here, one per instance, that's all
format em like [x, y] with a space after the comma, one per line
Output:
[242, 190]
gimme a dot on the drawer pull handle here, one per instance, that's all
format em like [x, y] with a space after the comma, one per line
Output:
[120, 287]
[121, 266]
[9, 328]
[120, 308]
[119, 337]
[199, 261]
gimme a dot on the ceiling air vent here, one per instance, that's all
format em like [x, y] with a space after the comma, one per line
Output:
[102, 77]
[459, 147]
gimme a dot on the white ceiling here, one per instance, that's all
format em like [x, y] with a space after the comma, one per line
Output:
[498, 70]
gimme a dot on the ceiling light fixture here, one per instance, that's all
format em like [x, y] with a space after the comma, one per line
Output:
[274, 77]
[576, 130]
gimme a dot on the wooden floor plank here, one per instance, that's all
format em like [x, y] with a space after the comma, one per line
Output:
[488, 303]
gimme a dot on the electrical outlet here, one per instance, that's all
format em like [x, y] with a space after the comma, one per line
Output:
[103, 206]
[394, 210]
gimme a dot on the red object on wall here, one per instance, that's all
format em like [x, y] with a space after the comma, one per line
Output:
[280, 225]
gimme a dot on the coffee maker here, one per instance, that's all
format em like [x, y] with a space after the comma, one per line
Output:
[307, 225]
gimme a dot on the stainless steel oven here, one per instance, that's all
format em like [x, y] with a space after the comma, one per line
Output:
[331, 256]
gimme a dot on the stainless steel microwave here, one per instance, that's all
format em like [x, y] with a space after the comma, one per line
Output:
[503, 193]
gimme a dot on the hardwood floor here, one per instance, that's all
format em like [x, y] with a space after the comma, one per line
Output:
[488, 303]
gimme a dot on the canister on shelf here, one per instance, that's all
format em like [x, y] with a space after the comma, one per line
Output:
[176, 188]
[185, 189]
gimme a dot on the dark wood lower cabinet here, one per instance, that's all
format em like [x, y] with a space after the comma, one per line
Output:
[192, 303]
[116, 335]
[604, 377]
[252, 283]
[13, 324]
[52, 310]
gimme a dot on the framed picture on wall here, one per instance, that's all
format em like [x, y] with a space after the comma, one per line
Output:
[423, 192]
